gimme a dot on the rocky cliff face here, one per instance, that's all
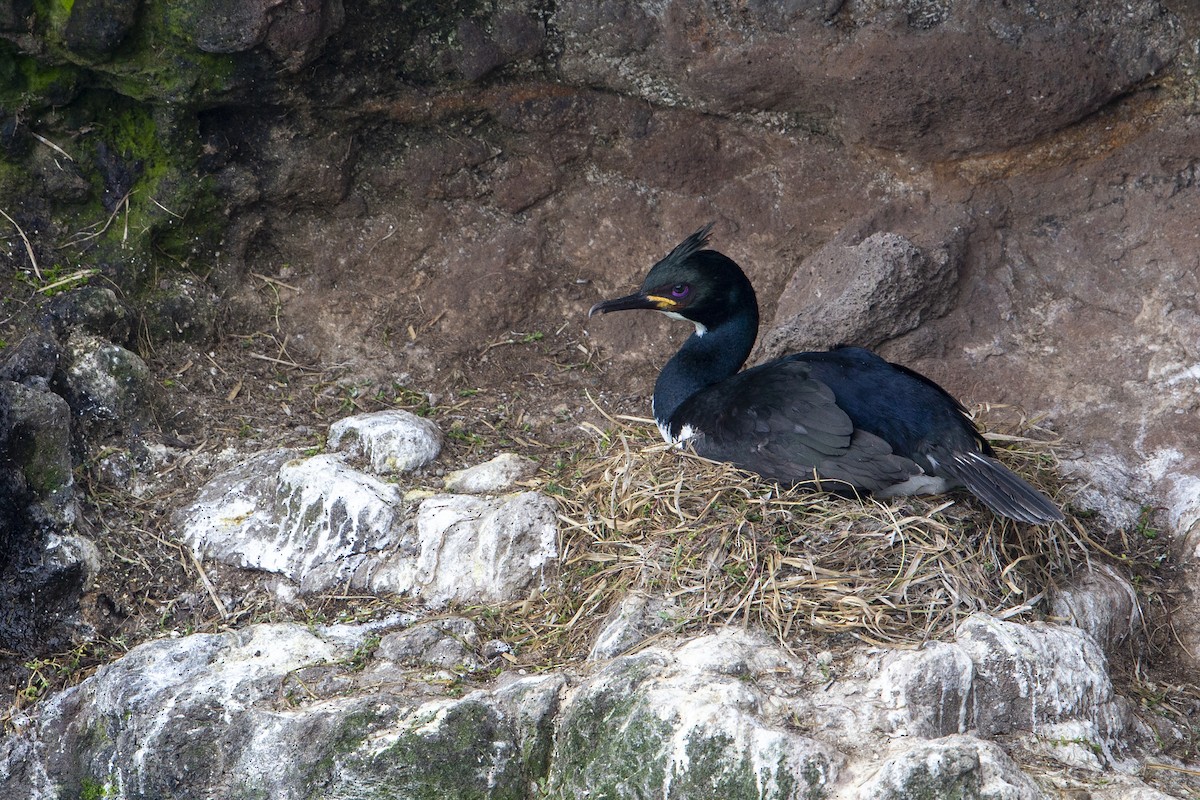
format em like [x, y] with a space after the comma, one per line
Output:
[228, 224]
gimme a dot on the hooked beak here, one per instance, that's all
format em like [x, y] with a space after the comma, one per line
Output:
[638, 300]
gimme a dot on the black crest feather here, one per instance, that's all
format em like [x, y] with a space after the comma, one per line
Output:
[692, 244]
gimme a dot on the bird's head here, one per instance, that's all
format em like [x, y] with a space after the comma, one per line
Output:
[692, 283]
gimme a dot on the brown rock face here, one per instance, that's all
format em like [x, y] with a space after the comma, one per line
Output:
[931, 80]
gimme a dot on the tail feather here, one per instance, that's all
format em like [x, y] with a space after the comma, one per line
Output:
[1001, 489]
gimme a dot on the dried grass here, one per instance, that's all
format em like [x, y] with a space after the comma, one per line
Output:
[728, 547]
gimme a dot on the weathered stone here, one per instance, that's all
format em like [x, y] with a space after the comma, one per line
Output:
[321, 524]
[314, 520]
[1050, 680]
[32, 361]
[957, 766]
[927, 693]
[490, 477]
[39, 445]
[490, 745]
[387, 441]
[963, 78]
[483, 48]
[207, 712]
[94, 309]
[637, 617]
[865, 293]
[447, 643]
[686, 724]
[470, 550]
[110, 389]
[303, 170]
[233, 26]
[298, 31]
[183, 307]
[96, 28]
[1101, 602]
[985, 77]
[42, 567]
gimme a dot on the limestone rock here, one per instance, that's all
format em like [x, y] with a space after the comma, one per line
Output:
[926, 693]
[1050, 680]
[497, 475]
[387, 441]
[687, 723]
[446, 643]
[956, 766]
[470, 549]
[321, 523]
[1101, 602]
[489, 744]
[1048, 684]
[637, 617]
[209, 710]
[315, 520]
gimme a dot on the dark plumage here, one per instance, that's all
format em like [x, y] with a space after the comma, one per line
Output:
[845, 418]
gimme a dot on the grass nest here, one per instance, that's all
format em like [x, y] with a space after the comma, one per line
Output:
[722, 546]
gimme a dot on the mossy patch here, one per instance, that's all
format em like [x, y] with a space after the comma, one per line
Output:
[467, 750]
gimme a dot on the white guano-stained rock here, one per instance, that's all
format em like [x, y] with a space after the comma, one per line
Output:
[1101, 602]
[688, 722]
[277, 711]
[387, 441]
[956, 766]
[472, 549]
[925, 693]
[322, 524]
[313, 520]
[1049, 680]
[497, 475]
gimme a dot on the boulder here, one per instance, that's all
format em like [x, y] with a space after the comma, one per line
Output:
[469, 549]
[687, 723]
[387, 441]
[490, 477]
[221, 715]
[110, 389]
[322, 524]
[956, 766]
[315, 521]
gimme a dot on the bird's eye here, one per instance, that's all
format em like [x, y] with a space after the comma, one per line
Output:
[680, 290]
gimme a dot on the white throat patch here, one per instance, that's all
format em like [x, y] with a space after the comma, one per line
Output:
[700, 329]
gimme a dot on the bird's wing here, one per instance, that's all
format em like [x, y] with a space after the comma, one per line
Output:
[779, 421]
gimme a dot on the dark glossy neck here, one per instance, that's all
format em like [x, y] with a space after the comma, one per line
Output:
[703, 361]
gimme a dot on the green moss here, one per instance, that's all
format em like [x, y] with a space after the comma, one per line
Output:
[161, 63]
[468, 752]
[611, 745]
[130, 125]
[614, 744]
[91, 789]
